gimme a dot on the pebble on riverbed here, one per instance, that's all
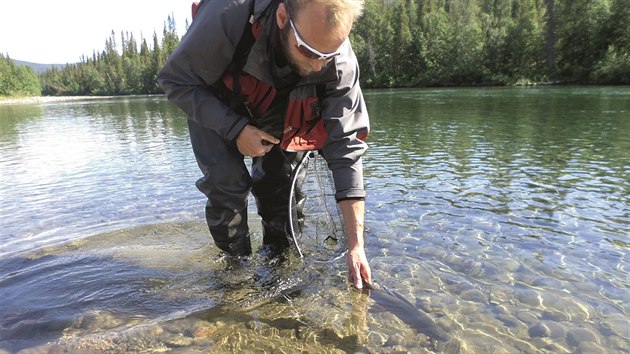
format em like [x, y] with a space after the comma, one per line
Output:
[617, 325]
[527, 317]
[179, 341]
[539, 330]
[97, 321]
[547, 329]
[474, 295]
[577, 336]
[529, 297]
[554, 315]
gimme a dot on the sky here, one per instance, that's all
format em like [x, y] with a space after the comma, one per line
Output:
[61, 31]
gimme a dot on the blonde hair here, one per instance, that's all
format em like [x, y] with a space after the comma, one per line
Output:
[340, 12]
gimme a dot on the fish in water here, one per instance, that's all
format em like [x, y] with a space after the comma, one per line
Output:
[396, 304]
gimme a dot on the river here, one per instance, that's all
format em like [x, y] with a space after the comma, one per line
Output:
[503, 214]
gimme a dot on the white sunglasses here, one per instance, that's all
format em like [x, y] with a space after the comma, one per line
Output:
[309, 51]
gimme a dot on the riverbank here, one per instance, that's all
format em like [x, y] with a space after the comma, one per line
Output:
[46, 99]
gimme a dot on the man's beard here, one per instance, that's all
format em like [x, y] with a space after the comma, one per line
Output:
[284, 42]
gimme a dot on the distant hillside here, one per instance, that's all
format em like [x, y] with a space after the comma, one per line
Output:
[39, 68]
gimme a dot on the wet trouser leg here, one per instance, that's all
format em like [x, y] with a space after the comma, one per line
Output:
[271, 185]
[226, 182]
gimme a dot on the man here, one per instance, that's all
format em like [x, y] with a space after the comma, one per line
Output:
[270, 79]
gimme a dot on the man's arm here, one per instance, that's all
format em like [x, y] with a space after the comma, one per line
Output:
[353, 211]
[201, 58]
[346, 120]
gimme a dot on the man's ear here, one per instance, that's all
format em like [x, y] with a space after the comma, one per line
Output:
[282, 16]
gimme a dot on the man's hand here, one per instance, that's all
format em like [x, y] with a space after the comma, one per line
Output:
[358, 268]
[353, 212]
[254, 142]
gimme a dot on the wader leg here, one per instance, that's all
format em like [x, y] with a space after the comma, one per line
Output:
[226, 182]
[271, 178]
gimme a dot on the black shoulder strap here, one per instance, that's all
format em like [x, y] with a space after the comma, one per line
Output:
[240, 57]
[247, 38]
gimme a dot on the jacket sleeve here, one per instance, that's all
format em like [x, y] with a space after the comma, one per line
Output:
[347, 123]
[201, 58]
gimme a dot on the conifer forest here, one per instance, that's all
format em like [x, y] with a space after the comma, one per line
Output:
[400, 43]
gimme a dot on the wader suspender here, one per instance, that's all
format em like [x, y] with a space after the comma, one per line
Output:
[239, 59]
[240, 55]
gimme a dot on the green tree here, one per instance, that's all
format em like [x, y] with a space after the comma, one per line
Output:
[51, 83]
[617, 28]
[580, 36]
[373, 36]
[157, 60]
[495, 21]
[465, 42]
[524, 55]
[550, 37]
[17, 80]
[453, 35]
[437, 30]
[170, 39]
[614, 67]
[402, 43]
[407, 43]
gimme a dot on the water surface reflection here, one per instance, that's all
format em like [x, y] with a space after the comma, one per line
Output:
[502, 214]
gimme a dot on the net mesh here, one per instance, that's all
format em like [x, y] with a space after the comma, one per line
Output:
[316, 222]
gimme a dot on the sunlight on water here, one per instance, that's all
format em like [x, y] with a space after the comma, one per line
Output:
[501, 214]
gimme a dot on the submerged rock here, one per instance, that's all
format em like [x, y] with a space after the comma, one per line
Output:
[527, 317]
[178, 341]
[555, 315]
[577, 336]
[529, 297]
[539, 330]
[589, 348]
[474, 295]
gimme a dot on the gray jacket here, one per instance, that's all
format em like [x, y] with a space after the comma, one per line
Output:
[205, 54]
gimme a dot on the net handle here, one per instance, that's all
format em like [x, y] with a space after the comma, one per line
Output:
[296, 172]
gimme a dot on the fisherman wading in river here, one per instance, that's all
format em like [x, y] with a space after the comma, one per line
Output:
[271, 80]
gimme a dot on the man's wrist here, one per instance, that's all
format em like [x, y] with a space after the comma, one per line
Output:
[355, 242]
[236, 129]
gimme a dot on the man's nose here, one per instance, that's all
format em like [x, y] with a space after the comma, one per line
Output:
[317, 64]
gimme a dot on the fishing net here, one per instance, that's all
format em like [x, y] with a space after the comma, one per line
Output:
[315, 220]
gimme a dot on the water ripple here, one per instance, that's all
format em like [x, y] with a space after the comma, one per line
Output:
[503, 214]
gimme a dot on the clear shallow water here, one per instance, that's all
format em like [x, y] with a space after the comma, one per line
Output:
[503, 214]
